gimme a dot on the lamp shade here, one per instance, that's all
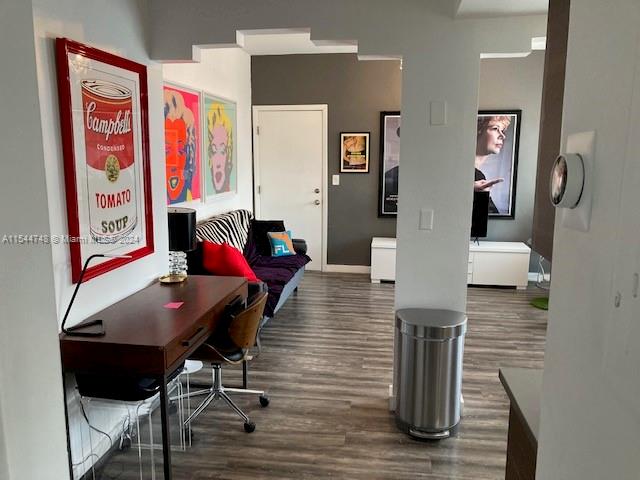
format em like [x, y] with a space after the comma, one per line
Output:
[182, 229]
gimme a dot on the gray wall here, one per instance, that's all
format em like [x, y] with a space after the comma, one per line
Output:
[550, 138]
[516, 83]
[356, 92]
[441, 57]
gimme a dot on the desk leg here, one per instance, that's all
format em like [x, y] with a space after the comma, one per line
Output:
[166, 438]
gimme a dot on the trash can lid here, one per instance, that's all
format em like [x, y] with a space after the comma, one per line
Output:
[431, 323]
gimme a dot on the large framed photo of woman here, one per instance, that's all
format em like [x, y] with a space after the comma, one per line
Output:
[496, 164]
[389, 164]
[105, 140]
[220, 170]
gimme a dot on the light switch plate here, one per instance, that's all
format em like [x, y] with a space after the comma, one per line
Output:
[426, 219]
[335, 179]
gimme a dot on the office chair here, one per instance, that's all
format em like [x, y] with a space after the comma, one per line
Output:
[230, 343]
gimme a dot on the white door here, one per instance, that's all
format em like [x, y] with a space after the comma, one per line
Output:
[289, 162]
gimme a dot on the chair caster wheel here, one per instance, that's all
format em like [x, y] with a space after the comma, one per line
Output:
[249, 427]
[264, 400]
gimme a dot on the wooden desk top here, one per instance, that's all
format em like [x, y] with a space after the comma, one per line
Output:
[142, 336]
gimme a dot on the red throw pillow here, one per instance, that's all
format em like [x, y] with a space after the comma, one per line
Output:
[225, 260]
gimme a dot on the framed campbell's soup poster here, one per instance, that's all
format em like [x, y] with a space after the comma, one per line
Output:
[105, 140]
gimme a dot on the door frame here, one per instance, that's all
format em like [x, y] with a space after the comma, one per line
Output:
[324, 181]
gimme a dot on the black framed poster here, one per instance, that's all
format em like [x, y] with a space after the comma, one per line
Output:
[389, 164]
[496, 164]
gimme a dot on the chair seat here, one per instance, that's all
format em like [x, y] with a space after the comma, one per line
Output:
[126, 388]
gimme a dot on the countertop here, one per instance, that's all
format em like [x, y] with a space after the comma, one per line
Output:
[524, 388]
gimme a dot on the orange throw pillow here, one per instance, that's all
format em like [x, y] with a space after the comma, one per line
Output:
[224, 260]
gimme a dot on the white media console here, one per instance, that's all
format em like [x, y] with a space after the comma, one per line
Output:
[490, 263]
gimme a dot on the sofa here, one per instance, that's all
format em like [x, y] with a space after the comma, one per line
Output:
[238, 228]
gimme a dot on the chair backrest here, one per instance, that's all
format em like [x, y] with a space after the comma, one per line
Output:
[243, 329]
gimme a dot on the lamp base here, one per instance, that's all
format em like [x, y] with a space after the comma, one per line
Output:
[172, 278]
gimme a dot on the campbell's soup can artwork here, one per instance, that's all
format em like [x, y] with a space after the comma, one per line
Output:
[110, 157]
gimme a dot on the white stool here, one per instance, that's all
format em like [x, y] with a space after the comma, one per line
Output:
[190, 367]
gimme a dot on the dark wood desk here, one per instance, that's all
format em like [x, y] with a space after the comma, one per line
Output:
[524, 388]
[143, 337]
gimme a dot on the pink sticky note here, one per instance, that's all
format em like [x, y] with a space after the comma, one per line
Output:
[173, 305]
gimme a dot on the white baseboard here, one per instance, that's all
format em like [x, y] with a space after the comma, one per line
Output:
[332, 268]
[347, 269]
[533, 277]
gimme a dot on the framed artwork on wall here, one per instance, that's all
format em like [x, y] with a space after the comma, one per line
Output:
[183, 143]
[389, 164]
[496, 164]
[219, 121]
[354, 152]
[105, 140]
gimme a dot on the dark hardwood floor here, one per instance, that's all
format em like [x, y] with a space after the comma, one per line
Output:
[327, 364]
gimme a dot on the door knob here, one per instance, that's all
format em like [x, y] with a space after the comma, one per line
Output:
[317, 190]
[317, 202]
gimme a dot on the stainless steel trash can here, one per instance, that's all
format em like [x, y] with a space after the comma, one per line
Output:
[427, 381]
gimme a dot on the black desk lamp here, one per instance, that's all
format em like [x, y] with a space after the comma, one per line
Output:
[182, 238]
[76, 330]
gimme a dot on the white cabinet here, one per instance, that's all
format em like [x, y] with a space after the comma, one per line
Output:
[490, 263]
[383, 259]
[498, 263]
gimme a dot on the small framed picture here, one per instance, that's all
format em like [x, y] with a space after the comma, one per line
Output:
[354, 152]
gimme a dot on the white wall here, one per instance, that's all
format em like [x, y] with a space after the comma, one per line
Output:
[4, 466]
[590, 421]
[117, 29]
[441, 61]
[225, 73]
[32, 416]
[508, 84]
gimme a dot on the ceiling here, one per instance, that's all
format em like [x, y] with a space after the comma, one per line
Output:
[298, 41]
[289, 42]
[496, 8]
